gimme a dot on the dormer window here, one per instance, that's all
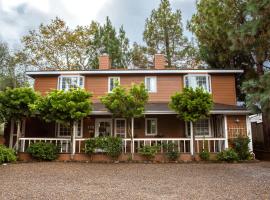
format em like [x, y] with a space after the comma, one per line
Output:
[198, 80]
[68, 82]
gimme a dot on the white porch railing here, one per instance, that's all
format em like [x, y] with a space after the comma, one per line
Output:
[213, 145]
[181, 144]
[62, 143]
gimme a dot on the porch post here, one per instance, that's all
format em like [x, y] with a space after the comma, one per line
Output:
[226, 132]
[249, 133]
[132, 135]
[18, 134]
[191, 139]
[75, 125]
[11, 133]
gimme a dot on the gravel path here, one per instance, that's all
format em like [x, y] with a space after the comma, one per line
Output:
[57, 180]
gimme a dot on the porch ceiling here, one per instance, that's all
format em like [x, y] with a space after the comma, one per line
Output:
[162, 108]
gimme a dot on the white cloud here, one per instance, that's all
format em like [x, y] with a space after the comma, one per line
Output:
[17, 17]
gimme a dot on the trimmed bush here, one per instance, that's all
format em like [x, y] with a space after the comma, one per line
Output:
[228, 155]
[112, 146]
[204, 154]
[240, 146]
[43, 151]
[148, 151]
[172, 152]
[7, 155]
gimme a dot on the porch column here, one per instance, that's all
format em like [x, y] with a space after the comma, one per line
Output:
[249, 133]
[75, 125]
[191, 139]
[11, 133]
[18, 134]
[226, 132]
[132, 135]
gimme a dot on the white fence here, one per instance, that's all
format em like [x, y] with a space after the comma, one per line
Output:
[183, 145]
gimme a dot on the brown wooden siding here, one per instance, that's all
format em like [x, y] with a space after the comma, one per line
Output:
[223, 89]
[236, 125]
[223, 86]
[45, 84]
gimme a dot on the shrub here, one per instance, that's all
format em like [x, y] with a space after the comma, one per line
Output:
[112, 146]
[240, 145]
[228, 155]
[43, 151]
[7, 155]
[171, 151]
[148, 151]
[204, 154]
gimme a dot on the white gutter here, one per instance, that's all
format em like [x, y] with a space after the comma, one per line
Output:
[173, 71]
[233, 112]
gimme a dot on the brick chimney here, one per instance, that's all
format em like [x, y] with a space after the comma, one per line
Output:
[159, 61]
[104, 61]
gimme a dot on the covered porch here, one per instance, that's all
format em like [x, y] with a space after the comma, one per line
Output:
[158, 126]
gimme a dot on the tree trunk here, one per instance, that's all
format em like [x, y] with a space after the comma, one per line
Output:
[18, 134]
[167, 46]
[266, 131]
[260, 70]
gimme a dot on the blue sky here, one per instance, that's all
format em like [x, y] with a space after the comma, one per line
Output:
[17, 17]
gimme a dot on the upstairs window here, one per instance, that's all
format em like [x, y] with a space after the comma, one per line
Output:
[198, 80]
[151, 84]
[112, 83]
[68, 82]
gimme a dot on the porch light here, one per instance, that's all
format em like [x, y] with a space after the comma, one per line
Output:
[237, 120]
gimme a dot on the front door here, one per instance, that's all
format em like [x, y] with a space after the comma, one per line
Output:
[103, 127]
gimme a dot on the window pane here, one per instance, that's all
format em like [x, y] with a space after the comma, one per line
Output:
[120, 128]
[113, 81]
[65, 131]
[151, 126]
[150, 84]
[71, 82]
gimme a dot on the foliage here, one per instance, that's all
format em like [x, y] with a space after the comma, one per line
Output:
[56, 46]
[240, 145]
[228, 155]
[204, 154]
[164, 33]
[7, 155]
[112, 146]
[15, 103]
[148, 151]
[257, 94]
[64, 106]
[171, 151]
[126, 103]
[139, 56]
[191, 104]
[43, 151]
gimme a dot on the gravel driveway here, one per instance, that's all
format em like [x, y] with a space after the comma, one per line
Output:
[57, 180]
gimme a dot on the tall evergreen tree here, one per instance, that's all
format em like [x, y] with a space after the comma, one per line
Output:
[164, 33]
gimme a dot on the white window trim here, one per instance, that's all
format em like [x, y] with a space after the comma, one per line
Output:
[111, 77]
[155, 78]
[59, 85]
[97, 120]
[200, 136]
[58, 131]
[208, 80]
[153, 134]
[115, 133]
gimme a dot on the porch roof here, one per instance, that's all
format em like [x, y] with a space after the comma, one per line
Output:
[162, 108]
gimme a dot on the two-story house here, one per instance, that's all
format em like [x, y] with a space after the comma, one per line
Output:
[159, 124]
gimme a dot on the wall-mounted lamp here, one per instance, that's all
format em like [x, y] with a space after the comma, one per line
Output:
[237, 120]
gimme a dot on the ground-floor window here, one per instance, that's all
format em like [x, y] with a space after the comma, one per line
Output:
[150, 126]
[200, 128]
[65, 131]
[120, 127]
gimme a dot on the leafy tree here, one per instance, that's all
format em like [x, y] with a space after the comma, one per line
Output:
[192, 105]
[64, 107]
[164, 33]
[257, 99]
[56, 46]
[127, 104]
[139, 56]
[15, 105]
